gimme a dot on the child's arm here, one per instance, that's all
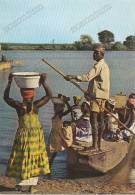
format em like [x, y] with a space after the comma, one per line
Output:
[11, 102]
[44, 99]
[68, 109]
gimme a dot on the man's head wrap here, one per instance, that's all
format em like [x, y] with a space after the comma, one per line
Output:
[99, 46]
[77, 98]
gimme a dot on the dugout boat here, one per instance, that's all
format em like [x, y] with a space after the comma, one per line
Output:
[112, 154]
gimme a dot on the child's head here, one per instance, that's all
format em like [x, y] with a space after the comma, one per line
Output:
[131, 100]
[77, 100]
[58, 108]
[64, 98]
[85, 108]
[110, 105]
[27, 94]
[59, 104]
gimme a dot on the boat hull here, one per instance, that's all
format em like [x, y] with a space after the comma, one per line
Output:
[112, 154]
[5, 65]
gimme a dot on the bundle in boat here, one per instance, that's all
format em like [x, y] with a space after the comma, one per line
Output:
[27, 80]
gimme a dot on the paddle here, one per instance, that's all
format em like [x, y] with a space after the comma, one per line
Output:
[63, 75]
[84, 91]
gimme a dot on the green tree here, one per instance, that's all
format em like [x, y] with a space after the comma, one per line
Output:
[4, 46]
[86, 39]
[118, 46]
[130, 42]
[78, 45]
[41, 47]
[106, 37]
[85, 43]
[63, 47]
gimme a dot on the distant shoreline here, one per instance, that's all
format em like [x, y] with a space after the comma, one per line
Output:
[60, 50]
[48, 47]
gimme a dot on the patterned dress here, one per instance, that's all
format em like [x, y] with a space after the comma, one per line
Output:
[28, 157]
[83, 130]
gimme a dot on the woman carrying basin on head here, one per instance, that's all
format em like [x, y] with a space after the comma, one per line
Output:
[28, 157]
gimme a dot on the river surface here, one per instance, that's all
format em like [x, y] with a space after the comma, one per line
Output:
[122, 70]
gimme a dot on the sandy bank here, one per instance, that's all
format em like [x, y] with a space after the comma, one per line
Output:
[89, 185]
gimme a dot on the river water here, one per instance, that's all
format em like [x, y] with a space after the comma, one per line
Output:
[122, 70]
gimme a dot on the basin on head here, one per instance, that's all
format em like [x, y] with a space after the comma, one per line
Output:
[27, 79]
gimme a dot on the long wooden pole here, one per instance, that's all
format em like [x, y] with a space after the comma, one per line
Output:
[84, 91]
[63, 75]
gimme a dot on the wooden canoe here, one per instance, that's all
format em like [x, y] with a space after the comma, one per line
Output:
[112, 154]
[5, 65]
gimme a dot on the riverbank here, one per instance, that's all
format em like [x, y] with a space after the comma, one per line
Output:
[77, 186]
[60, 47]
[114, 182]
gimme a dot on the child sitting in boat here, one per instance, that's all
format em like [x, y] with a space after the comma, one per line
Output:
[127, 116]
[112, 131]
[61, 136]
[82, 127]
[76, 112]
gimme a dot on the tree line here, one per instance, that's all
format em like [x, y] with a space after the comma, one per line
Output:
[85, 42]
[107, 38]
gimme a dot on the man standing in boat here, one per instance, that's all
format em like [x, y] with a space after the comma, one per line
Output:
[98, 92]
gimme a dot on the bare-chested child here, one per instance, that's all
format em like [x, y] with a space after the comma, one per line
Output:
[61, 134]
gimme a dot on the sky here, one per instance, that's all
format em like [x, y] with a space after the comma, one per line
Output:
[63, 21]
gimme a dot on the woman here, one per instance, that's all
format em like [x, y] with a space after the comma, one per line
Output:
[28, 157]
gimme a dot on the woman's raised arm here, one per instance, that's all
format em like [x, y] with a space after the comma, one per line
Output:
[44, 99]
[11, 102]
